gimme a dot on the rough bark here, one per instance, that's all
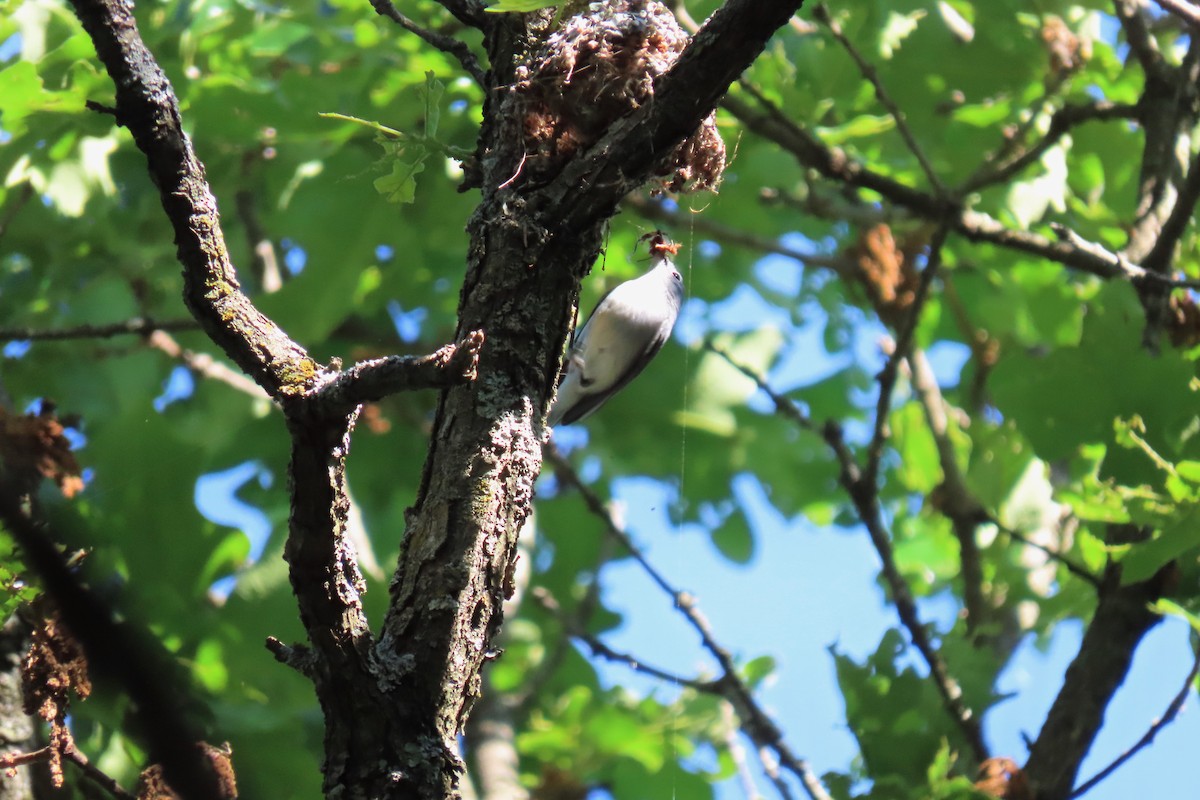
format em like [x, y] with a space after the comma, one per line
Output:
[16, 727]
[530, 246]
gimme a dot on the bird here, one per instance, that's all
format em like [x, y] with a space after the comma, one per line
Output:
[625, 331]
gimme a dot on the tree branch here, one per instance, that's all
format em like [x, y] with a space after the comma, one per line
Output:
[756, 723]
[115, 652]
[891, 369]
[531, 244]
[835, 164]
[1168, 716]
[1137, 34]
[373, 380]
[1184, 10]
[822, 15]
[1162, 255]
[1068, 564]
[957, 502]
[468, 12]
[1061, 123]
[205, 365]
[147, 106]
[135, 326]
[598, 648]
[447, 44]
[866, 503]
[1122, 618]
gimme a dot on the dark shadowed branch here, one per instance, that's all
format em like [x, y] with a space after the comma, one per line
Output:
[822, 15]
[116, 652]
[766, 119]
[756, 723]
[136, 326]
[1168, 716]
[147, 107]
[866, 502]
[373, 380]
[1183, 9]
[1122, 618]
[447, 44]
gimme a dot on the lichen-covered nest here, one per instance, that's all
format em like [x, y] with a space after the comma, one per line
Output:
[597, 68]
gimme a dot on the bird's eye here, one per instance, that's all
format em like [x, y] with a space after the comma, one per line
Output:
[677, 276]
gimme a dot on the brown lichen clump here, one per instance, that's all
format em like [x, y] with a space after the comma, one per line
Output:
[54, 667]
[598, 67]
[35, 446]
[886, 271]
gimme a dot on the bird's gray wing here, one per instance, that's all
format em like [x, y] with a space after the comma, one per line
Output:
[586, 405]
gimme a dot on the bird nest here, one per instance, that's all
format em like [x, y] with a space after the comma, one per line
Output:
[600, 66]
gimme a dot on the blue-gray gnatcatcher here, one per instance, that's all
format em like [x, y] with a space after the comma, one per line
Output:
[627, 329]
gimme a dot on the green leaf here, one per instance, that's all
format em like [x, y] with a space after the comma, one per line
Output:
[734, 539]
[1167, 607]
[1177, 537]
[757, 670]
[432, 93]
[1189, 470]
[275, 37]
[400, 186]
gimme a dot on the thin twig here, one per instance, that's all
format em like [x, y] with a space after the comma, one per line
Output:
[1061, 122]
[550, 604]
[1182, 9]
[204, 364]
[1168, 716]
[1137, 35]
[958, 504]
[772, 124]
[822, 15]
[1071, 567]
[866, 503]
[72, 754]
[447, 44]
[135, 326]
[761, 729]
[891, 369]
